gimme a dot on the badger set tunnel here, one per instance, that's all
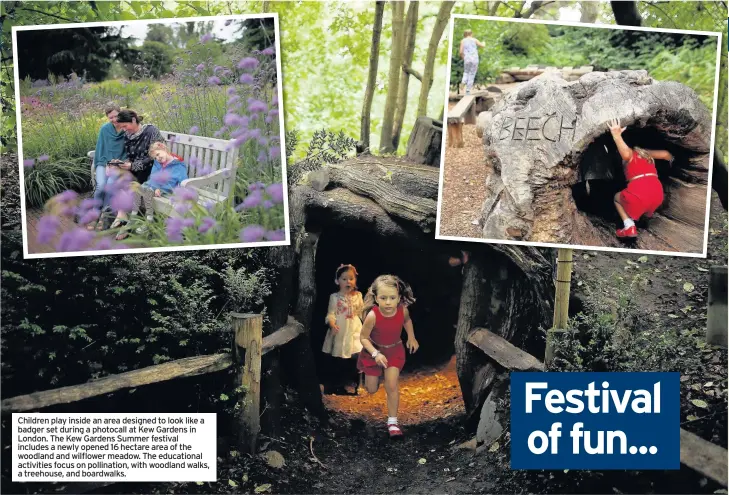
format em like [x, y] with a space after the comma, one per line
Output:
[423, 264]
[600, 174]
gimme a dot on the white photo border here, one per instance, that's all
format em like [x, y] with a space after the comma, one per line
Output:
[169, 20]
[707, 210]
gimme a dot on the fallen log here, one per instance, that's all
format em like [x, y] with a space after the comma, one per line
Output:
[703, 456]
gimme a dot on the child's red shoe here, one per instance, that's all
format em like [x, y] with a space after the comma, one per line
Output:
[627, 232]
[394, 431]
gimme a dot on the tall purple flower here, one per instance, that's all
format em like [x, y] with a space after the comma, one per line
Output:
[194, 130]
[181, 194]
[89, 203]
[246, 79]
[262, 157]
[123, 200]
[206, 224]
[275, 191]
[274, 152]
[89, 216]
[231, 91]
[213, 80]
[67, 196]
[28, 162]
[206, 37]
[268, 204]
[183, 208]
[231, 119]
[256, 106]
[200, 67]
[75, 240]
[248, 63]
[257, 186]
[252, 233]
[275, 235]
[173, 227]
[269, 51]
[233, 100]
[47, 228]
[43, 158]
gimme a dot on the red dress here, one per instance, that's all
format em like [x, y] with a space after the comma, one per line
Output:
[385, 337]
[644, 194]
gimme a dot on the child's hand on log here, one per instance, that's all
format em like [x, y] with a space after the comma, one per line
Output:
[412, 345]
[614, 126]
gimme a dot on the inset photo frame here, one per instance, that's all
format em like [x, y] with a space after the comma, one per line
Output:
[574, 135]
[151, 135]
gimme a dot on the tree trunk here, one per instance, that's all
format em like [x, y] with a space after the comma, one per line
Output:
[393, 82]
[589, 11]
[364, 134]
[626, 13]
[470, 314]
[440, 24]
[425, 142]
[411, 26]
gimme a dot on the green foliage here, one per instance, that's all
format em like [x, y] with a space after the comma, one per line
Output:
[157, 58]
[47, 179]
[325, 147]
[128, 311]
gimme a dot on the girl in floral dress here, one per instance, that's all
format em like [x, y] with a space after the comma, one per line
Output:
[344, 320]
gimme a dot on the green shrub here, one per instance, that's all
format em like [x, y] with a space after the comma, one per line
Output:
[47, 179]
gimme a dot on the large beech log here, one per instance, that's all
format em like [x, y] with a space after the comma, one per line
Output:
[181, 368]
[374, 181]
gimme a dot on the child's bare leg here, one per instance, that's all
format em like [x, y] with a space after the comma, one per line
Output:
[621, 211]
[372, 383]
[392, 376]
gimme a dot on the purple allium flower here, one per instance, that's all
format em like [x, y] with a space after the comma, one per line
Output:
[206, 170]
[206, 37]
[187, 222]
[274, 102]
[28, 162]
[213, 80]
[263, 141]
[43, 158]
[47, 228]
[77, 239]
[257, 186]
[209, 205]
[194, 130]
[217, 68]
[269, 119]
[252, 233]
[200, 67]
[273, 112]
[254, 133]
[66, 196]
[233, 100]
[276, 192]
[262, 157]
[161, 176]
[173, 228]
[269, 51]
[181, 194]
[248, 63]
[276, 235]
[231, 91]
[274, 152]
[256, 106]
[104, 243]
[89, 203]
[246, 79]
[90, 216]
[183, 208]
[268, 204]
[206, 224]
[231, 119]
[123, 200]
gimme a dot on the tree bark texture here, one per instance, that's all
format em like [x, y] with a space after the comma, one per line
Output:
[411, 26]
[626, 13]
[441, 22]
[364, 135]
[589, 12]
[393, 82]
[425, 142]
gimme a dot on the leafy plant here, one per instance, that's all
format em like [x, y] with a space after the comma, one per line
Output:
[45, 180]
[325, 147]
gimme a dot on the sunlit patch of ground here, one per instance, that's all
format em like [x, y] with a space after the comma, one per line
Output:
[425, 394]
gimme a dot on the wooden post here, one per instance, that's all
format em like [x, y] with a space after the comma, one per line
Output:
[716, 322]
[561, 301]
[248, 333]
[455, 133]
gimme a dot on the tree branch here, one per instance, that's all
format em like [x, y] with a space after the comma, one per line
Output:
[536, 5]
[46, 13]
[516, 12]
[408, 70]
[655, 6]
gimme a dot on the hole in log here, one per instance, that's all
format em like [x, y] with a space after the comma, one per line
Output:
[678, 222]
[435, 311]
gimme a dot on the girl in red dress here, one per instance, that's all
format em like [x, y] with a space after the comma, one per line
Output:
[385, 307]
[644, 193]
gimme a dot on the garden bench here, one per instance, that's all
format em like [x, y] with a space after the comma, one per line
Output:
[217, 154]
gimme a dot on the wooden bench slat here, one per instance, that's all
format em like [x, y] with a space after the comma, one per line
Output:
[463, 106]
[503, 352]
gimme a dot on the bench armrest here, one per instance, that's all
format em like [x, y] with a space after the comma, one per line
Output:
[210, 179]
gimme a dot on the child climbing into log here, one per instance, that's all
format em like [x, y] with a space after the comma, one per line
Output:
[386, 305]
[342, 340]
[468, 51]
[644, 193]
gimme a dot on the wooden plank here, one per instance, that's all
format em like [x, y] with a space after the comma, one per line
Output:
[503, 352]
[703, 456]
[458, 112]
[455, 134]
[196, 141]
[181, 368]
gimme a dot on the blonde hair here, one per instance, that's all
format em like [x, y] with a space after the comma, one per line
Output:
[645, 155]
[157, 146]
[403, 290]
[467, 33]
